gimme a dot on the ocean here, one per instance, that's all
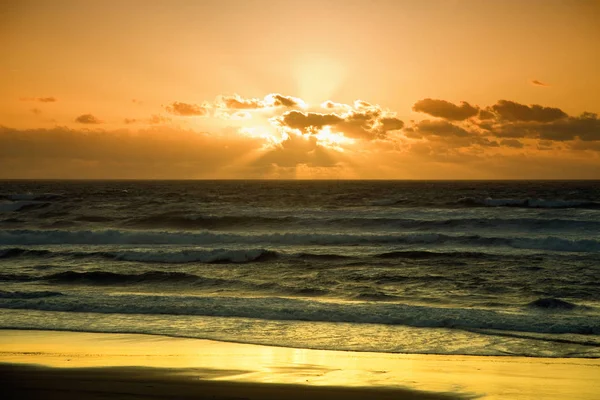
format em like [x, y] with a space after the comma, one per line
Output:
[472, 268]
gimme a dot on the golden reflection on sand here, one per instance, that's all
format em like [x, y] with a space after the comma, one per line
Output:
[493, 377]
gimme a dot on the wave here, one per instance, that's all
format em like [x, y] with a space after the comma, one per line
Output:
[20, 206]
[28, 295]
[228, 222]
[107, 237]
[19, 252]
[528, 203]
[180, 256]
[551, 304]
[180, 221]
[426, 255]
[289, 309]
[29, 196]
[106, 278]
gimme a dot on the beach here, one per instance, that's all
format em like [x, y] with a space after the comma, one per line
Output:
[69, 365]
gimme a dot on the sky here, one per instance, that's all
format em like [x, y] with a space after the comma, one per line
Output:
[291, 89]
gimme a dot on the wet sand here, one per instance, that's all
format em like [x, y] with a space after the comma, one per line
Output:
[70, 365]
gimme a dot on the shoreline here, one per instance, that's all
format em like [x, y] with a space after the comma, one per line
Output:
[218, 367]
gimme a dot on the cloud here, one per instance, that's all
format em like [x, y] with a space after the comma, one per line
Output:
[512, 111]
[237, 102]
[586, 127]
[485, 115]
[438, 128]
[156, 119]
[331, 105]
[538, 83]
[445, 109]
[128, 121]
[514, 143]
[156, 152]
[40, 99]
[310, 122]
[36, 111]
[88, 119]
[297, 150]
[186, 109]
[278, 100]
[365, 121]
[137, 101]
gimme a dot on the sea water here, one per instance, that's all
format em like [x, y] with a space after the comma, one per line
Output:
[472, 268]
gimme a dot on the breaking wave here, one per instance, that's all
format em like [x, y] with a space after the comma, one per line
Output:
[286, 309]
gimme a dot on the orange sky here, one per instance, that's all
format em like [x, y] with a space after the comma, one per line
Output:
[382, 89]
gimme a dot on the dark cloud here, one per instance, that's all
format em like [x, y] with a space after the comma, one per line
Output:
[439, 128]
[367, 122]
[88, 119]
[128, 121]
[514, 143]
[279, 100]
[538, 83]
[445, 109]
[40, 99]
[36, 111]
[585, 127]
[186, 110]
[512, 111]
[485, 115]
[391, 124]
[308, 122]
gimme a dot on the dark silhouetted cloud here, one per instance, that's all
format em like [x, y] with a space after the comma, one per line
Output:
[439, 128]
[87, 119]
[445, 109]
[512, 111]
[278, 100]
[309, 122]
[186, 109]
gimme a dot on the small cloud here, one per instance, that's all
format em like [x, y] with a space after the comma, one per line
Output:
[87, 119]
[186, 110]
[279, 100]
[158, 119]
[331, 105]
[538, 83]
[40, 99]
[36, 111]
[237, 102]
[129, 121]
[136, 101]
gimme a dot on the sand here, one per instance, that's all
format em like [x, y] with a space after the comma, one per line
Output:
[72, 365]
